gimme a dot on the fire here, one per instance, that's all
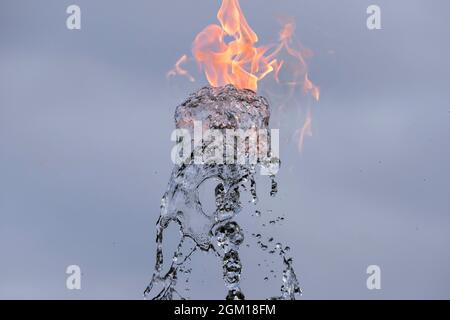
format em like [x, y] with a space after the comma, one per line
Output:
[310, 87]
[298, 68]
[227, 53]
[306, 130]
[238, 62]
[179, 71]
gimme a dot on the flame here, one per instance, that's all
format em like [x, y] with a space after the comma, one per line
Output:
[238, 62]
[298, 68]
[178, 70]
[227, 53]
[309, 86]
[306, 130]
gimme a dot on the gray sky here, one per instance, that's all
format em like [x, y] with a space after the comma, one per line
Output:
[85, 123]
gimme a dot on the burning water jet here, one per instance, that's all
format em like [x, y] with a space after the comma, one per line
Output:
[233, 69]
[239, 61]
[243, 64]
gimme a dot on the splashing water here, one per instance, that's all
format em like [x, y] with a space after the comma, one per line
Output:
[215, 232]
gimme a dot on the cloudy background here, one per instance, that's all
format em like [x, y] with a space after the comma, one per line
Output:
[85, 123]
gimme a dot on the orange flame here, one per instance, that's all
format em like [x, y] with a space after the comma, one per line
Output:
[228, 54]
[178, 70]
[309, 86]
[306, 130]
[237, 62]
[299, 68]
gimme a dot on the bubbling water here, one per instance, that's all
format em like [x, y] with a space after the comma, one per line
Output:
[215, 232]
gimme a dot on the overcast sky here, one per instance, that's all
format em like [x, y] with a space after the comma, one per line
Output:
[85, 124]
